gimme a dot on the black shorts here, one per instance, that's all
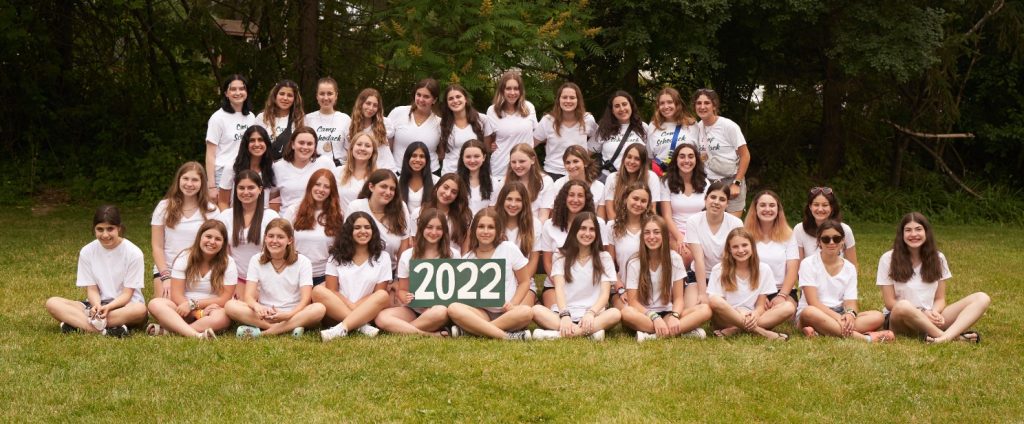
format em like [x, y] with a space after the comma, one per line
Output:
[792, 295]
[88, 305]
[319, 280]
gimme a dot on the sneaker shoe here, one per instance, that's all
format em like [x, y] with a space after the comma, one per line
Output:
[98, 323]
[297, 332]
[66, 328]
[333, 333]
[697, 333]
[597, 335]
[369, 330]
[456, 331]
[247, 332]
[521, 335]
[207, 334]
[542, 334]
[120, 331]
[642, 336]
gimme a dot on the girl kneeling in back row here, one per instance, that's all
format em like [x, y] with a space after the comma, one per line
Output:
[358, 275]
[203, 279]
[278, 288]
[583, 274]
[913, 278]
[738, 290]
[828, 302]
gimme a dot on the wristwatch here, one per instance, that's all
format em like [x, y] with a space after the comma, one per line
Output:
[737, 182]
[674, 314]
[621, 291]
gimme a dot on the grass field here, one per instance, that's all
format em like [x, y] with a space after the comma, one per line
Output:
[51, 377]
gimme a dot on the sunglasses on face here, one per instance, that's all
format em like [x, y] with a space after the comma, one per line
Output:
[833, 239]
[821, 190]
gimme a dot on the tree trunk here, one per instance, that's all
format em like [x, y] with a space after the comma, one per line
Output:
[309, 50]
[830, 153]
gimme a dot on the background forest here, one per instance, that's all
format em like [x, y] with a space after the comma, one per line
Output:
[899, 105]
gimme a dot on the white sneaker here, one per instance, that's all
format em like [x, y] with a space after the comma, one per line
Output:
[522, 335]
[542, 334]
[333, 333]
[98, 323]
[456, 331]
[697, 333]
[597, 335]
[369, 330]
[642, 336]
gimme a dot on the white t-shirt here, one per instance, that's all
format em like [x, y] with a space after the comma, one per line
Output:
[625, 246]
[476, 200]
[512, 234]
[581, 294]
[514, 261]
[653, 184]
[282, 291]
[510, 130]
[453, 245]
[407, 132]
[555, 145]
[280, 124]
[535, 205]
[392, 241]
[723, 138]
[244, 250]
[713, 244]
[810, 243]
[744, 296]
[552, 238]
[597, 190]
[683, 206]
[348, 191]
[330, 131]
[415, 197]
[659, 141]
[917, 292]
[608, 146]
[832, 289]
[203, 289]
[460, 136]
[112, 270]
[656, 303]
[292, 181]
[385, 159]
[182, 235]
[775, 254]
[405, 260]
[225, 130]
[357, 281]
[313, 242]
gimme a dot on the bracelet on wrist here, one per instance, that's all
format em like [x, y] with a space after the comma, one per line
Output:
[193, 305]
[850, 311]
[653, 315]
[564, 314]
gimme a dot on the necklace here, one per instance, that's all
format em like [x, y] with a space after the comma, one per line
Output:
[278, 268]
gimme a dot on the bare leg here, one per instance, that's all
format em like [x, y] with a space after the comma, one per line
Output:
[776, 315]
[825, 324]
[163, 310]
[241, 313]
[336, 308]
[906, 319]
[607, 319]
[962, 314]
[403, 320]
[690, 296]
[132, 314]
[307, 317]
[635, 319]
[548, 297]
[693, 317]
[546, 318]
[70, 312]
[475, 320]
[530, 299]
[367, 310]
[217, 321]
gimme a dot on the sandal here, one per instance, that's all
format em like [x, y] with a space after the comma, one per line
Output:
[154, 329]
[881, 336]
[782, 336]
[971, 336]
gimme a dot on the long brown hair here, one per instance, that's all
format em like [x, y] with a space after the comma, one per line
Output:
[682, 117]
[499, 233]
[306, 216]
[560, 210]
[394, 211]
[238, 211]
[219, 262]
[780, 227]
[524, 221]
[484, 173]
[570, 250]
[499, 95]
[176, 199]
[674, 176]
[729, 263]
[448, 120]
[295, 113]
[458, 211]
[663, 255]
[534, 179]
[290, 254]
[622, 212]
[901, 266]
[579, 113]
[624, 178]
[419, 248]
[376, 122]
[589, 166]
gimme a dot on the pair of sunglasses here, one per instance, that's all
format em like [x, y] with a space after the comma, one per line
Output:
[821, 190]
[833, 239]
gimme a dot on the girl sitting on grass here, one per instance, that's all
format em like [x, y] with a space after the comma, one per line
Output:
[278, 290]
[828, 302]
[583, 274]
[738, 291]
[111, 270]
[913, 278]
[358, 275]
[203, 279]
[655, 288]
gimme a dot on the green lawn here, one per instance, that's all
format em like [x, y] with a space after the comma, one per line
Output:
[51, 377]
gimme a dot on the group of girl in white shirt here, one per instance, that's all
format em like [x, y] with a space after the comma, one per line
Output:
[663, 254]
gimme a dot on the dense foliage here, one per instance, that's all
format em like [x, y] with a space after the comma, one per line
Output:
[104, 98]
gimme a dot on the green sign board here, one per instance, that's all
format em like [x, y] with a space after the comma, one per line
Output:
[474, 282]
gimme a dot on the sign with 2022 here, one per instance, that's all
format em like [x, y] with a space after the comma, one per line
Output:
[474, 282]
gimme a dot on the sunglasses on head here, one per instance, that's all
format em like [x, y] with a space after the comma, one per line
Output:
[833, 239]
[821, 190]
